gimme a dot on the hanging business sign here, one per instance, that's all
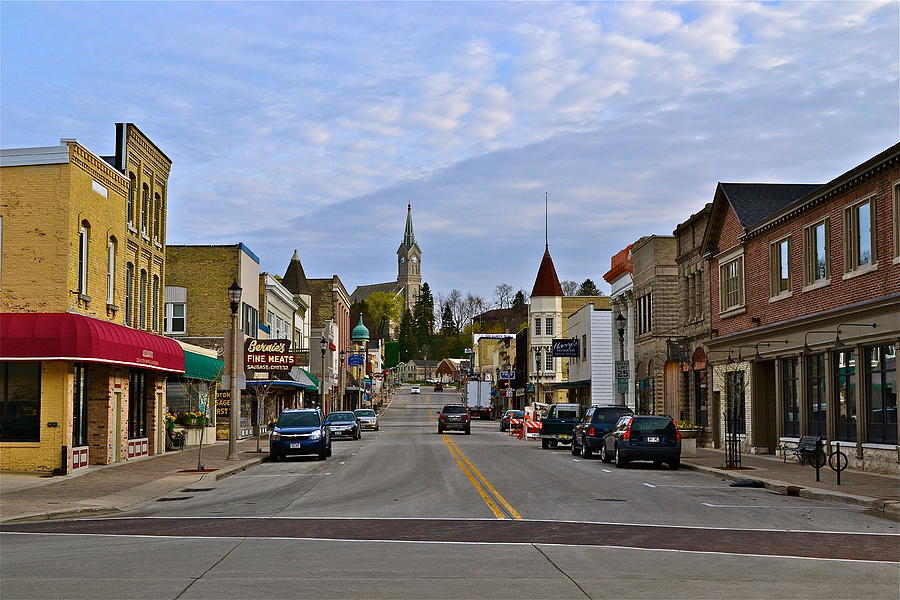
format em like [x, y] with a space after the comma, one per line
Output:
[507, 374]
[269, 355]
[566, 348]
[356, 360]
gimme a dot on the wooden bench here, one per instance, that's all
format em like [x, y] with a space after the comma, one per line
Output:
[802, 449]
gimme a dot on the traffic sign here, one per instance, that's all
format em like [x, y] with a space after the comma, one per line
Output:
[623, 371]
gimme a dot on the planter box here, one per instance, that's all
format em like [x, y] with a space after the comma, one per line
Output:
[688, 447]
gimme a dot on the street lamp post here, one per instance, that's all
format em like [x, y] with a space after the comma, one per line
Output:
[234, 299]
[341, 382]
[323, 344]
[620, 327]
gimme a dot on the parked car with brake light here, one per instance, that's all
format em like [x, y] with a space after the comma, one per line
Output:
[368, 418]
[510, 414]
[643, 437]
[587, 437]
[299, 431]
[455, 416]
[343, 425]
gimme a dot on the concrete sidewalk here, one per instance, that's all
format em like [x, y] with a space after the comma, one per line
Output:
[111, 488]
[877, 492]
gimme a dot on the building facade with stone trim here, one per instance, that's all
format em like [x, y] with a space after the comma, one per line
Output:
[620, 277]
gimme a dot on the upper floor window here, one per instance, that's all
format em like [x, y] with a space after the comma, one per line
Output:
[815, 252]
[583, 346]
[175, 319]
[157, 209]
[549, 363]
[859, 235]
[548, 326]
[644, 306]
[129, 209]
[84, 234]
[154, 304]
[142, 300]
[250, 320]
[780, 267]
[731, 284]
[537, 359]
[111, 271]
[537, 326]
[897, 220]
[129, 294]
[145, 208]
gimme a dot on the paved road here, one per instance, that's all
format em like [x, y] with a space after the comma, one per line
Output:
[408, 512]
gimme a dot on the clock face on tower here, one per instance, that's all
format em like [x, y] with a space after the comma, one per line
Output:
[402, 260]
[414, 259]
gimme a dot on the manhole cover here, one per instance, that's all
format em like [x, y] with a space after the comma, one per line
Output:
[197, 489]
[172, 499]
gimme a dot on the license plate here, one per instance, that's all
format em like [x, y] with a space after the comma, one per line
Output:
[654, 439]
[564, 437]
[296, 445]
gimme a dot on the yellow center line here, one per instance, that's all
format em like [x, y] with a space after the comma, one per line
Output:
[515, 514]
[484, 495]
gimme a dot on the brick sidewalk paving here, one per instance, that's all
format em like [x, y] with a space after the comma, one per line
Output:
[115, 487]
[881, 492]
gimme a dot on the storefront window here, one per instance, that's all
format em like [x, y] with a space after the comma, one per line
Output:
[736, 405]
[790, 396]
[845, 395]
[79, 407]
[701, 401]
[137, 404]
[881, 384]
[816, 403]
[20, 402]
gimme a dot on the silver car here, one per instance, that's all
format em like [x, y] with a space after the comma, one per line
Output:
[367, 418]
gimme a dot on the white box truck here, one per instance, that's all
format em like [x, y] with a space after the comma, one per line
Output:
[478, 398]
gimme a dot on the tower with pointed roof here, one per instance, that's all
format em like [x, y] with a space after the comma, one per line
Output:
[545, 322]
[409, 264]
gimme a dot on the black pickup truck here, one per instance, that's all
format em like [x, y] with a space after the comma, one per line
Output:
[557, 426]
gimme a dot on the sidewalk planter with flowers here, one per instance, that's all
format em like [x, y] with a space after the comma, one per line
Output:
[689, 436]
[193, 419]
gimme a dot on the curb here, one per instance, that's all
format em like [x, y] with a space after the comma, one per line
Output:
[227, 472]
[890, 509]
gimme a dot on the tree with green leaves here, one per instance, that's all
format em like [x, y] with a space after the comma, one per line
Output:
[383, 309]
[519, 301]
[448, 324]
[588, 288]
[406, 336]
[423, 318]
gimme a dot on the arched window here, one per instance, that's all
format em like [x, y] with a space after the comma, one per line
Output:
[129, 294]
[154, 305]
[131, 192]
[157, 208]
[145, 208]
[142, 300]
[111, 271]
[84, 235]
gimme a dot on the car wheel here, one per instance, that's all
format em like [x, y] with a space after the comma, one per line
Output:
[620, 461]
[554, 443]
[575, 450]
[657, 463]
[545, 444]
[273, 456]
[323, 454]
[586, 451]
[604, 455]
[675, 464]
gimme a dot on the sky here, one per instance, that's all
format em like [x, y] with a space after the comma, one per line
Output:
[312, 125]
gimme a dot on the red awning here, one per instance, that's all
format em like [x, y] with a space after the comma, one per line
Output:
[71, 337]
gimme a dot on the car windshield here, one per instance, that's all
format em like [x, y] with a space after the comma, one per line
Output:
[608, 415]
[365, 413]
[514, 414]
[653, 425]
[455, 409]
[567, 414]
[340, 416]
[299, 419]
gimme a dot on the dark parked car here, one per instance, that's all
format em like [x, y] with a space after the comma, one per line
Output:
[344, 425]
[455, 416]
[643, 437]
[299, 431]
[438, 387]
[510, 414]
[594, 425]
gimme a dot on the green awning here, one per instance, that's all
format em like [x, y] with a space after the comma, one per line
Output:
[568, 385]
[311, 378]
[199, 366]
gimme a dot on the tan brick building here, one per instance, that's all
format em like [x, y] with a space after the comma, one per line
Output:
[805, 299]
[80, 294]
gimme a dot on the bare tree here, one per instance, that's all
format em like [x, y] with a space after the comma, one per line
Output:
[569, 287]
[504, 295]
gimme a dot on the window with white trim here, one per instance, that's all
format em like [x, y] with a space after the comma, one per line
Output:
[537, 326]
[548, 326]
[175, 318]
[154, 305]
[129, 294]
[157, 207]
[896, 193]
[859, 235]
[780, 267]
[111, 271]
[731, 284]
[815, 252]
[644, 306]
[142, 300]
[129, 208]
[145, 208]
[548, 360]
[84, 234]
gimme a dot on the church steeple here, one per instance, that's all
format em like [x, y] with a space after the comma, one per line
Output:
[409, 236]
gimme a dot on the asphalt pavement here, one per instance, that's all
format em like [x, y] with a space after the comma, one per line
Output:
[406, 512]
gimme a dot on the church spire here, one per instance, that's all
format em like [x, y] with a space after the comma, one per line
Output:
[409, 236]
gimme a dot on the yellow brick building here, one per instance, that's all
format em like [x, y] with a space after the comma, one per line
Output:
[81, 272]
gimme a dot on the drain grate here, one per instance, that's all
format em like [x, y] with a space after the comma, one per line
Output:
[197, 489]
[611, 499]
[173, 498]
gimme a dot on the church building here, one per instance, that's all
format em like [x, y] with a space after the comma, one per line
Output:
[409, 271]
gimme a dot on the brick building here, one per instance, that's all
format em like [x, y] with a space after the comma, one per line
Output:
[656, 320]
[84, 375]
[806, 281]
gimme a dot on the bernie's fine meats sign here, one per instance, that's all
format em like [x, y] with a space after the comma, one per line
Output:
[269, 355]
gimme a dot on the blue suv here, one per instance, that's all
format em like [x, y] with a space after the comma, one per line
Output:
[300, 431]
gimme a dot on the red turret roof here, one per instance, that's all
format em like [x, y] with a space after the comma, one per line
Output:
[547, 283]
